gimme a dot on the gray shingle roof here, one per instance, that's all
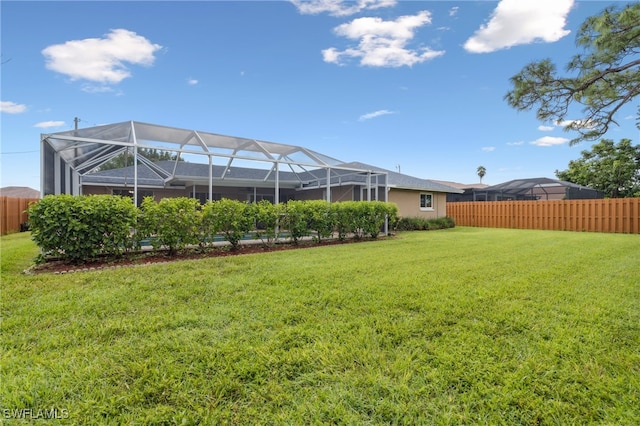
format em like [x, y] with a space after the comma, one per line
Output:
[190, 171]
[402, 181]
[19, 192]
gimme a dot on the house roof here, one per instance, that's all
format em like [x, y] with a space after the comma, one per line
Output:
[19, 192]
[402, 181]
[164, 173]
[462, 185]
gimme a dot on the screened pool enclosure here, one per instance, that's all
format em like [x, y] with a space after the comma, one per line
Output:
[72, 162]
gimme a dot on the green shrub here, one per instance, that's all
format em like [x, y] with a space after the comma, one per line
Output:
[369, 218]
[412, 224]
[363, 218]
[295, 220]
[320, 218]
[442, 223]
[81, 228]
[422, 224]
[172, 223]
[233, 218]
[345, 217]
[374, 214]
[392, 211]
[267, 217]
[385, 211]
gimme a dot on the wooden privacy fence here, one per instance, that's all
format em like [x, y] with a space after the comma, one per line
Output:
[12, 213]
[620, 215]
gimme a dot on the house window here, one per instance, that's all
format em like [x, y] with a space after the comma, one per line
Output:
[426, 201]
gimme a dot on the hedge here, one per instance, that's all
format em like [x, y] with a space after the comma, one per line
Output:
[422, 224]
[81, 228]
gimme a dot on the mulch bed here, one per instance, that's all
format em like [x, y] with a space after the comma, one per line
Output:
[151, 257]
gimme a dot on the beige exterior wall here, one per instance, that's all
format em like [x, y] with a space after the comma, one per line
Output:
[408, 203]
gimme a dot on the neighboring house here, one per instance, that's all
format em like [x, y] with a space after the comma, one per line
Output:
[19, 192]
[535, 189]
[218, 166]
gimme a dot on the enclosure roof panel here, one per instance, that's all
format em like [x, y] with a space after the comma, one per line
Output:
[518, 186]
[174, 139]
[185, 171]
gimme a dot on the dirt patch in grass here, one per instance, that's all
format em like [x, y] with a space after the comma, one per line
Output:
[55, 266]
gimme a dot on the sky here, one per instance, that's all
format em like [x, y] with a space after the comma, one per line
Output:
[410, 86]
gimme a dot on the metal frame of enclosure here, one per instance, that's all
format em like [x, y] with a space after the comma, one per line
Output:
[67, 157]
[535, 189]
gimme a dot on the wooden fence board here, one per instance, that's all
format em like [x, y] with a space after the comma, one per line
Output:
[13, 213]
[616, 215]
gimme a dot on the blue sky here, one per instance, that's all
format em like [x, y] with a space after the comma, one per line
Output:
[414, 85]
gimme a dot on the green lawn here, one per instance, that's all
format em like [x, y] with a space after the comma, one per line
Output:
[460, 326]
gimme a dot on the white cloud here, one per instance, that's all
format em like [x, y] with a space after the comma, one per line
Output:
[339, 7]
[12, 107]
[375, 114]
[47, 124]
[488, 148]
[577, 124]
[516, 22]
[192, 82]
[549, 141]
[454, 11]
[101, 60]
[518, 143]
[543, 128]
[94, 88]
[382, 43]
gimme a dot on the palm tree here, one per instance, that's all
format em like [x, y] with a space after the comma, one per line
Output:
[481, 172]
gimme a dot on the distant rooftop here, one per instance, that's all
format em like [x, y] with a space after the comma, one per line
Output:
[461, 185]
[19, 192]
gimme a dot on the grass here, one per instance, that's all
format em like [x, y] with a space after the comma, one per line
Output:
[460, 326]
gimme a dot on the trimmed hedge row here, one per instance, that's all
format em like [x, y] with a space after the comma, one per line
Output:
[81, 228]
[421, 224]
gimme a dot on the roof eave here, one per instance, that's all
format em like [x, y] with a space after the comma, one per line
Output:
[415, 188]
